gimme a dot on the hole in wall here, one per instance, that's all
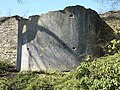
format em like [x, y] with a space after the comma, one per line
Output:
[27, 48]
[74, 48]
[89, 26]
[71, 16]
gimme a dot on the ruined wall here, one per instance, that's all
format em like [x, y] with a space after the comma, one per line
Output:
[112, 18]
[8, 38]
[59, 40]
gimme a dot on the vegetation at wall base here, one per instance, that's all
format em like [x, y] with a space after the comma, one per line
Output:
[3, 67]
[102, 73]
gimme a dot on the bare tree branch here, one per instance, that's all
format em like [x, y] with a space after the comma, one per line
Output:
[111, 2]
[20, 1]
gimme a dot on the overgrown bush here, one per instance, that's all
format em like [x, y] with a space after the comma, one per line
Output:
[102, 73]
[3, 67]
[113, 47]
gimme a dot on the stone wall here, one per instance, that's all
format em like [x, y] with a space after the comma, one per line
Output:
[58, 40]
[112, 18]
[8, 38]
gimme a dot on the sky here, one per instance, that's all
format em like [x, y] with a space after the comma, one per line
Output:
[37, 7]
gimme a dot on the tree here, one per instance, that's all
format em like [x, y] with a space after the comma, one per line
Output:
[111, 2]
[20, 1]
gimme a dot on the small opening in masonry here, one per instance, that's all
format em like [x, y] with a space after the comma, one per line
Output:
[89, 26]
[27, 48]
[71, 16]
[73, 48]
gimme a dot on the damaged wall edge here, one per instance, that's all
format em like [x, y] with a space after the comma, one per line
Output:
[59, 40]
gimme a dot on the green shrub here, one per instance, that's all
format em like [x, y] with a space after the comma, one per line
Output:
[3, 82]
[3, 67]
[102, 73]
[113, 47]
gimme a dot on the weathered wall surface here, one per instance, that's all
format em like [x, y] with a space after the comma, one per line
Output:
[59, 40]
[22, 53]
[8, 38]
[112, 18]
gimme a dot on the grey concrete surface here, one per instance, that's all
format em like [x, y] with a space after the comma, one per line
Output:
[59, 40]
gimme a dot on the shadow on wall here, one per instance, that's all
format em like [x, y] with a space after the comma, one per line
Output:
[104, 34]
[31, 35]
